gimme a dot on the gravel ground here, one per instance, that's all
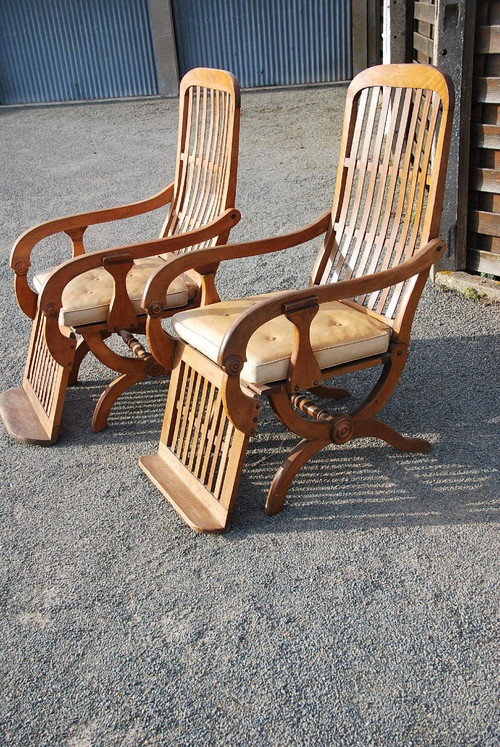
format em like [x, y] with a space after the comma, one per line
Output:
[364, 614]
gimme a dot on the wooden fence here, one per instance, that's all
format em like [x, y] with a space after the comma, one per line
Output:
[483, 245]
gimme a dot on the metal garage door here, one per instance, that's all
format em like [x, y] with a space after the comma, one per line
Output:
[266, 42]
[63, 50]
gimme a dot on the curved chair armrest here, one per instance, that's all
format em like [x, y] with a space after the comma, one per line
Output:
[50, 300]
[161, 344]
[232, 353]
[200, 258]
[73, 225]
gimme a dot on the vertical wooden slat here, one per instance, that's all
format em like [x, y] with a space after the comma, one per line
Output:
[217, 465]
[214, 417]
[228, 439]
[40, 369]
[223, 157]
[198, 424]
[193, 416]
[45, 394]
[173, 218]
[186, 412]
[387, 194]
[198, 166]
[360, 196]
[403, 212]
[351, 170]
[200, 457]
[207, 159]
[369, 209]
[180, 399]
[429, 129]
[33, 369]
[191, 164]
[421, 169]
[218, 127]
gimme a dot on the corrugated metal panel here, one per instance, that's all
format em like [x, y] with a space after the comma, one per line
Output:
[266, 42]
[63, 50]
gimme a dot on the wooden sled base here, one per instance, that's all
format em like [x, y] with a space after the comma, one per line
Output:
[200, 456]
[21, 421]
[201, 515]
[32, 412]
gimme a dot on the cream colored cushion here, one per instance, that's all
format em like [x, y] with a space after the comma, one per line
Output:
[86, 298]
[339, 333]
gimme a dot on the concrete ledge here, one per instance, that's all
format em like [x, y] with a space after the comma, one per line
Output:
[472, 286]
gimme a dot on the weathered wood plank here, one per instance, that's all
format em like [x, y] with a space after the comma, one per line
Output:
[486, 90]
[485, 136]
[487, 39]
[423, 44]
[484, 222]
[485, 180]
[487, 262]
[425, 12]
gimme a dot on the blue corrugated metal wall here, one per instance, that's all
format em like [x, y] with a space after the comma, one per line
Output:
[63, 50]
[266, 42]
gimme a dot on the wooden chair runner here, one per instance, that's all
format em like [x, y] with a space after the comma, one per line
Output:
[96, 294]
[380, 239]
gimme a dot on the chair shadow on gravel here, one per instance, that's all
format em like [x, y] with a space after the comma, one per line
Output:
[135, 418]
[445, 396]
[361, 484]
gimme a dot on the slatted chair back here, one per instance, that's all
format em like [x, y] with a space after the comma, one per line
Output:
[390, 180]
[207, 152]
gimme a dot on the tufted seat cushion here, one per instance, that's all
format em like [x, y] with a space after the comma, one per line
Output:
[339, 333]
[86, 298]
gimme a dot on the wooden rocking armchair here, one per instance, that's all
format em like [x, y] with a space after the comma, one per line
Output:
[98, 293]
[380, 241]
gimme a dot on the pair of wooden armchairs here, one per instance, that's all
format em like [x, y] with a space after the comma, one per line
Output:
[379, 241]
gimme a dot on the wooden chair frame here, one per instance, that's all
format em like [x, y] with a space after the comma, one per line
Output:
[415, 105]
[201, 214]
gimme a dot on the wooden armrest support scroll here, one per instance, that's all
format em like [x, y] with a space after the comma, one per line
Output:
[232, 353]
[301, 313]
[50, 300]
[161, 344]
[74, 226]
[121, 313]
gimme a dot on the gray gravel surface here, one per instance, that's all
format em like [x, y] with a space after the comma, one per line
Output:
[364, 614]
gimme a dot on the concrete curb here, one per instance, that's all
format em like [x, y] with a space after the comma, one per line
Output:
[472, 286]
